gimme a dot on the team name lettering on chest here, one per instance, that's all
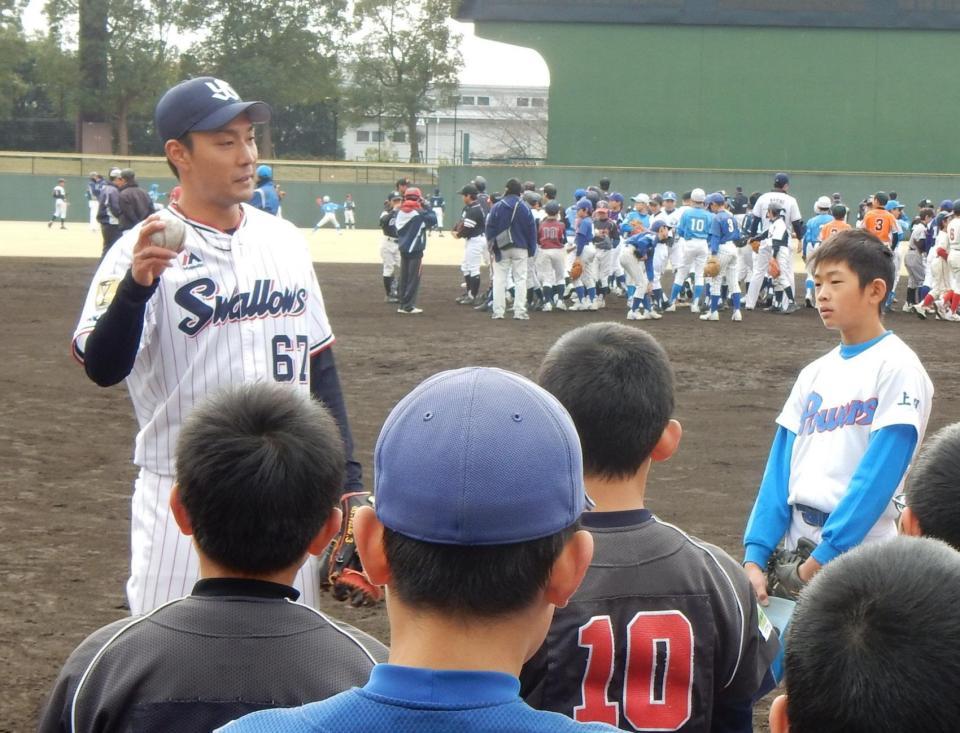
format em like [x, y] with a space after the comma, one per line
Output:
[813, 419]
[200, 299]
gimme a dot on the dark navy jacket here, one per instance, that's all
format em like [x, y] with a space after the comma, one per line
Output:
[523, 229]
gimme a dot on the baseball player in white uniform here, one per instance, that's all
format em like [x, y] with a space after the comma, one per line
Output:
[239, 302]
[59, 205]
[792, 216]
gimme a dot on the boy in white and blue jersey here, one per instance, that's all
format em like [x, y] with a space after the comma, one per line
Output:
[811, 234]
[849, 430]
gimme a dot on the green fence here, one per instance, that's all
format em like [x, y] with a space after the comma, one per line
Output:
[27, 181]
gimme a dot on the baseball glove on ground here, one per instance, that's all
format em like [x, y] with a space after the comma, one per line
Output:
[783, 570]
[773, 269]
[340, 568]
[576, 269]
[712, 267]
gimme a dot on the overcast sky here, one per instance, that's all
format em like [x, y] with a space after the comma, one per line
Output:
[485, 62]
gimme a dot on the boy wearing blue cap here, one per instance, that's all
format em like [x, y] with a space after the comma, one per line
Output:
[476, 536]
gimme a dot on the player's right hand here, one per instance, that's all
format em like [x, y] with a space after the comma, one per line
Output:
[149, 260]
[758, 580]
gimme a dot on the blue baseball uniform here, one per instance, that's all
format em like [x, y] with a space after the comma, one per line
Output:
[412, 699]
[637, 261]
[811, 234]
[722, 237]
[693, 230]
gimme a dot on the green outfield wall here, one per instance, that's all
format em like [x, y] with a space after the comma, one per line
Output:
[27, 181]
[825, 99]
[26, 194]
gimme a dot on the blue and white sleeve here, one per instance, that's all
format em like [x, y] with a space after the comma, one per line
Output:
[872, 487]
[770, 517]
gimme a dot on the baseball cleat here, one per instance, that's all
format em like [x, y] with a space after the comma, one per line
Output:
[645, 316]
[737, 316]
[791, 308]
[521, 317]
[694, 308]
[632, 315]
[561, 306]
[495, 317]
[907, 307]
[710, 316]
[410, 311]
[654, 315]
[547, 307]
[808, 301]
[593, 306]
[672, 308]
[921, 313]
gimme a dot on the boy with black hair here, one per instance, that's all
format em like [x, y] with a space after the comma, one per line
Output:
[259, 470]
[663, 622]
[875, 644]
[931, 506]
[476, 536]
[848, 430]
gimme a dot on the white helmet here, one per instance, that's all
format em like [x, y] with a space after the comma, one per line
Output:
[823, 204]
[698, 195]
[326, 199]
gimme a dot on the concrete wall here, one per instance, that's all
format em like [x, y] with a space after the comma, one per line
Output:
[721, 97]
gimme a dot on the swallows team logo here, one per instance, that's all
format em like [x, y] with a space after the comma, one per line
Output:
[201, 300]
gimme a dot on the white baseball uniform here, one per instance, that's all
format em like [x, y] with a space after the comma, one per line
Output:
[761, 260]
[953, 256]
[240, 307]
[59, 202]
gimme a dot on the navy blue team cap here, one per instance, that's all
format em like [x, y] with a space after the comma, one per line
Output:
[658, 225]
[200, 104]
[781, 179]
[478, 456]
[669, 196]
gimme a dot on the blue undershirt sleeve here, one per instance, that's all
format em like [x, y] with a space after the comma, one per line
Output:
[648, 263]
[770, 517]
[876, 479]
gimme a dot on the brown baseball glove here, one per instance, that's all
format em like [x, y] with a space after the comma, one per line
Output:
[712, 267]
[340, 568]
[773, 269]
[576, 269]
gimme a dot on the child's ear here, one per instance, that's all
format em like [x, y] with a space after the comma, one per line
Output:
[669, 440]
[877, 290]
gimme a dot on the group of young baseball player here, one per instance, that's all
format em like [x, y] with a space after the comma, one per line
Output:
[727, 252]
[528, 586]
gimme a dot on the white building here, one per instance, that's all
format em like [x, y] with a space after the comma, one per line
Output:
[488, 123]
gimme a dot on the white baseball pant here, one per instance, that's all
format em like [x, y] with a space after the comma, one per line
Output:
[473, 249]
[390, 256]
[512, 264]
[761, 261]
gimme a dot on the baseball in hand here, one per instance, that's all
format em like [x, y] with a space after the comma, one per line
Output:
[172, 235]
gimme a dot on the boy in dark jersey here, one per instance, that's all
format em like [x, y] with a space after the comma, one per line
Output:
[665, 632]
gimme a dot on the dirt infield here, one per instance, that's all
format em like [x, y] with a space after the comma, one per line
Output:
[67, 444]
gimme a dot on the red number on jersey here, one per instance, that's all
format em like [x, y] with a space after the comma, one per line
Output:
[597, 636]
[658, 681]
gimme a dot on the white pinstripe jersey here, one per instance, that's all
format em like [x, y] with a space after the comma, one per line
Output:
[241, 307]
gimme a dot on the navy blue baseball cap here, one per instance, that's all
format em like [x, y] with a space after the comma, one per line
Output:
[200, 104]
[781, 179]
[478, 456]
[669, 196]
[658, 225]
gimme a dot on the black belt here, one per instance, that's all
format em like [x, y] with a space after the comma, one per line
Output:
[813, 517]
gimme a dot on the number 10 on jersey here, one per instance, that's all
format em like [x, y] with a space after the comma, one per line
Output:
[658, 679]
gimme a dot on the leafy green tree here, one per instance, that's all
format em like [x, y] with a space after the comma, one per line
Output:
[283, 52]
[12, 48]
[126, 56]
[405, 64]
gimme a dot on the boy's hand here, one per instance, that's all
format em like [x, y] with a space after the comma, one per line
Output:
[758, 579]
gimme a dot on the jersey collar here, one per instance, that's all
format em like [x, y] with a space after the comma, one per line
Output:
[214, 587]
[848, 351]
[444, 687]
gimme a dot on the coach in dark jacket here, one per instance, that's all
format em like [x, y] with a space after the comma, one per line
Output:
[135, 203]
[512, 237]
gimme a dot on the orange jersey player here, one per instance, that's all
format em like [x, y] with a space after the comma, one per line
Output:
[880, 222]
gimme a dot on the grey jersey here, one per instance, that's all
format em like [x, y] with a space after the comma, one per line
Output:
[663, 632]
[229, 649]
